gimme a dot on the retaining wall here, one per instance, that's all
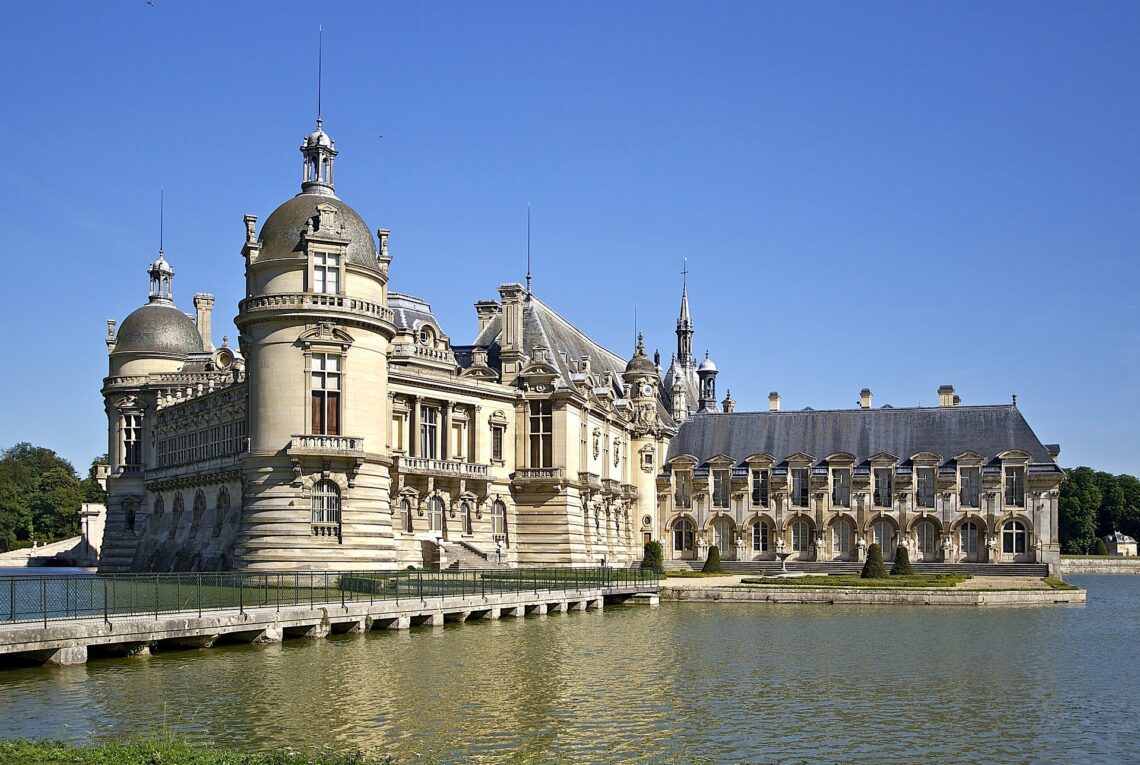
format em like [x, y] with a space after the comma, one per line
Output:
[1105, 565]
[868, 596]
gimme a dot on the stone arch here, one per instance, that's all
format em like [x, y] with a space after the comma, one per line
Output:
[842, 536]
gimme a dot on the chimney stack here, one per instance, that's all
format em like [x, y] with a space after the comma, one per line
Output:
[204, 306]
[486, 310]
[729, 402]
[946, 396]
[773, 402]
[865, 398]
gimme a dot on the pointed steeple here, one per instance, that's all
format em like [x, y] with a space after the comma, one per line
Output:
[685, 331]
[318, 148]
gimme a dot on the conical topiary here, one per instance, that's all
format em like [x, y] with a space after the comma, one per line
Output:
[712, 563]
[902, 563]
[652, 558]
[874, 568]
[1100, 548]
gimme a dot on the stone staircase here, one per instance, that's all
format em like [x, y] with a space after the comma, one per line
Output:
[463, 555]
[854, 567]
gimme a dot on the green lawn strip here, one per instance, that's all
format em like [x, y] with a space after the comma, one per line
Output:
[683, 574]
[912, 581]
[163, 752]
[1058, 584]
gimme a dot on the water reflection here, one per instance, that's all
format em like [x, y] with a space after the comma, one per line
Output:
[731, 682]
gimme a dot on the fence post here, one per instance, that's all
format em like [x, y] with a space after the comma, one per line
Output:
[43, 599]
[420, 583]
[156, 597]
[199, 594]
[241, 594]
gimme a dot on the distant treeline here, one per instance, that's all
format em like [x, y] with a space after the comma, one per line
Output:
[1093, 505]
[40, 495]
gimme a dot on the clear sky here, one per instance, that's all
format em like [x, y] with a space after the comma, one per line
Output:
[869, 194]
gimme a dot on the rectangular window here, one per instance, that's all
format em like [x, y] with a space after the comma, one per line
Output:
[925, 487]
[760, 537]
[970, 486]
[800, 487]
[458, 441]
[497, 442]
[1015, 486]
[541, 434]
[326, 273]
[841, 488]
[720, 488]
[760, 488]
[883, 494]
[429, 432]
[132, 439]
[684, 489]
[326, 394]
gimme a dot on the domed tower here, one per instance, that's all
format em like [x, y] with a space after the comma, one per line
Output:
[706, 373]
[156, 339]
[315, 329]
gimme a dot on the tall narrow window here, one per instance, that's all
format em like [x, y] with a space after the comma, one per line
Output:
[841, 487]
[326, 509]
[468, 519]
[925, 487]
[683, 535]
[130, 508]
[1015, 487]
[541, 428]
[326, 394]
[179, 509]
[760, 488]
[760, 537]
[842, 537]
[800, 487]
[326, 273]
[499, 520]
[684, 488]
[970, 487]
[883, 487]
[221, 508]
[720, 488]
[927, 538]
[132, 439]
[1013, 538]
[497, 442]
[429, 432]
[199, 511]
[968, 533]
[884, 536]
[801, 537]
[435, 514]
[406, 514]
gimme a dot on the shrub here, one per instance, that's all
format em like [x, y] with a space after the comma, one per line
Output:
[873, 568]
[653, 559]
[712, 563]
[902, 563]
[1100, 548]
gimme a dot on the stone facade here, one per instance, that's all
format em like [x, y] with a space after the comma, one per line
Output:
[346, 431]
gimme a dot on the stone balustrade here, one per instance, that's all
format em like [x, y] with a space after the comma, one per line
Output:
[306, 301]
[317, 443]
[434, 467]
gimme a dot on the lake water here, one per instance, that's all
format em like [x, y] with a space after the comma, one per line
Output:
[721, 683]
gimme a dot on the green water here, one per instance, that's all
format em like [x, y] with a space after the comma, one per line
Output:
[678, 683]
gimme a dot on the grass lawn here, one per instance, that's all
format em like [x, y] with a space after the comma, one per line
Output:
[911, 581]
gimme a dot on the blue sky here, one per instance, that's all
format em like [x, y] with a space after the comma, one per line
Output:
[883, 195]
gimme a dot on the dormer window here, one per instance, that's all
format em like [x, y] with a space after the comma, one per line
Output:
[326, 273]
[971, 484]
[883, 492]
[683, 496]
[925, 487]
[427, 337]
[841, 487]
[720, 488]
[1015, 486]
[800, 487]
[760, 488]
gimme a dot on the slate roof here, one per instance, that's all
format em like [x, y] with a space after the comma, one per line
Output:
[410, 311]
[903, 432]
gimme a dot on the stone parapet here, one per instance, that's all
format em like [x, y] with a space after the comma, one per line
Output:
[873, 597]
[1107, 565]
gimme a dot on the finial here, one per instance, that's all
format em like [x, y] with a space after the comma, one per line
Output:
[685, 273]
[225, 341]
[161, 217]
[706, 353]
[528, 249]
[1014, 399]
[320, 68]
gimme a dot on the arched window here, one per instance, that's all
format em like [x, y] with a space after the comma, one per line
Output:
[884, 535]
[326, 507]
[968, 536]
[801, 536]
[927, 536]
[179, 508]
[722, 534]
[499, 520]
[760, 537]
[159, 508]
[199, 511]
[1013, 537]
[842, 537]
[683, 535]
[406, 514]
[130, 507]
[221, 507]
[435, 514]
[468, 518]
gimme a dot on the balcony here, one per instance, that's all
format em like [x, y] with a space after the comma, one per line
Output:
[314, 444]
[441, 468]
[315, 301]
[539, 478]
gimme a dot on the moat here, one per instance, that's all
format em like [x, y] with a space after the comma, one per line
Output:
[677, 683]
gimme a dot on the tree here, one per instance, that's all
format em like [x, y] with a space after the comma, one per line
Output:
[712, 563]
[1100, 548]
[40, 495]
[652, 559]
[902, 563]
[1078, 509]
[874, 568]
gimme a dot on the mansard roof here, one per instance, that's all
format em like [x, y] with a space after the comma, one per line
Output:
[988, 430]
[409, 311]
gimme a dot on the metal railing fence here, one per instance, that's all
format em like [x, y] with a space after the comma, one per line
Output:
[29, 599]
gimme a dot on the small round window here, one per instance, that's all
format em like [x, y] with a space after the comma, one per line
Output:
[426, 336]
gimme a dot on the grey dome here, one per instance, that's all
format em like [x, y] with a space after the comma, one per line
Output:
[640, 364]
[281, 234]
[158, 328]
[707, 365]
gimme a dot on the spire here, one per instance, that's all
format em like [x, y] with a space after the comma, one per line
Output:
[318, 148]
[685, 323]
[161, 273]
[528, 249]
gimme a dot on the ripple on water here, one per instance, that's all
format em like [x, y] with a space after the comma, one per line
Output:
[679, 683]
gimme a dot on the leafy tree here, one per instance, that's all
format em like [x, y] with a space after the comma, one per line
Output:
[653, 559]
[1079, 505]
[712, 563]
[40, 496]
[902, 563]
[873, 568]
